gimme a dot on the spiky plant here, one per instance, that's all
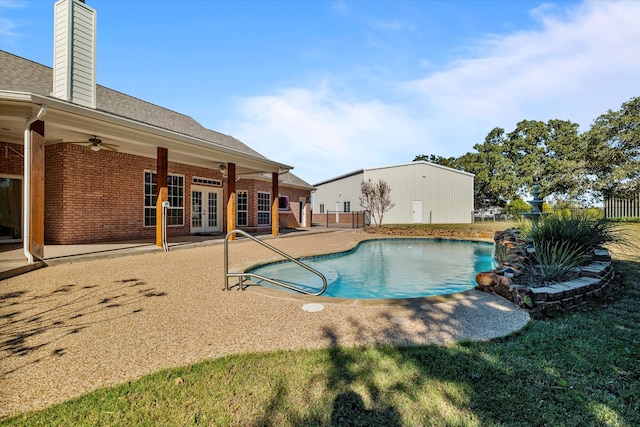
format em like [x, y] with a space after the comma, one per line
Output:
[581, 231]
[554, 262]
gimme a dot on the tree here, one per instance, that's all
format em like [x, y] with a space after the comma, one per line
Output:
[570, 167]
[376, 198]
[517, 207]
[613, 151]
[450, 162]
[495, 182]
[550, 152]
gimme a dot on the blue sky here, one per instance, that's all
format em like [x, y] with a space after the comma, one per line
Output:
[334, 86]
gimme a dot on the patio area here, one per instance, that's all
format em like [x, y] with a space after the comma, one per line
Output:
[98, 318]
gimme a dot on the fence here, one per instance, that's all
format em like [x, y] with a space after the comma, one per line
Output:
[622, 208]
[354, 219]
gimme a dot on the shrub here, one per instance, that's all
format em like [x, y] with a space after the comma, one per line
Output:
[500, 252]
[578, 230]
[554, 262]
[517, 207]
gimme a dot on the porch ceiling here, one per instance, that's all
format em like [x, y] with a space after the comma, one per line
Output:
[64, 126]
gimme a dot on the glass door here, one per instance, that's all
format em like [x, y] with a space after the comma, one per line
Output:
[205, 206]
[10, 209]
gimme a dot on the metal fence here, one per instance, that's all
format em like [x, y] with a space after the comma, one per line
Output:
[338, 219]
[622, 208]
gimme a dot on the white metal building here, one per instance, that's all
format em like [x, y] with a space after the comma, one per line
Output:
[423, 193]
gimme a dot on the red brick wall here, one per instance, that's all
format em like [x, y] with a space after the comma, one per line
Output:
[254, 187]
[294, 204]
[99, 196]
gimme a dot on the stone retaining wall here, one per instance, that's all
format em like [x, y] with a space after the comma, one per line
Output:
[593, 281]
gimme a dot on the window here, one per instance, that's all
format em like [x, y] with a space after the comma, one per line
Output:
[321, 207]
[175, 186]
[175, 189]
[347, 207]
[283, 203]
[264, 208]
[150, 197]
[206, 181]
[242, 208]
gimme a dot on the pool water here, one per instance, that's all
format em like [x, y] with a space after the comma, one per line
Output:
[389, 268]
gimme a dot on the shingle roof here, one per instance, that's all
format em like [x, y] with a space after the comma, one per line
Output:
[22, 75]
[289, 178]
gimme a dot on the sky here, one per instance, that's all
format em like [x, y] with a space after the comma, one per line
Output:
[330, 87]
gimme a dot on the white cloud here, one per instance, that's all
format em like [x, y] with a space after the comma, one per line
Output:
[576, 67]
[572, 69]
[8, 26]
[391, 25]
[322, 135]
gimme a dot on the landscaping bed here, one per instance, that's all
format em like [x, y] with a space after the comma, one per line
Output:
[512, 279]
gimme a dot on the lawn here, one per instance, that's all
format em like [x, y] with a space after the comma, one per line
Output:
[576, 369]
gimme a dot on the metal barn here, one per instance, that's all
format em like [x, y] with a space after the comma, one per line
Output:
[423, 193]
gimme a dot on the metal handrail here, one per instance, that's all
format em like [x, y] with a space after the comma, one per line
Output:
[260, 277]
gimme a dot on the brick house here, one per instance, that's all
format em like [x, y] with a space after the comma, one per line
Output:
[82, 163]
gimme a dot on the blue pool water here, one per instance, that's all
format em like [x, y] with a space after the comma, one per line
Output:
[390, 268]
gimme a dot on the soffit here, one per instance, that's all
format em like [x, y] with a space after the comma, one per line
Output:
[65, 122]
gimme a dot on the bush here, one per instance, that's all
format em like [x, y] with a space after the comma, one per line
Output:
[553, 262]
[582, 231]
[517, 207]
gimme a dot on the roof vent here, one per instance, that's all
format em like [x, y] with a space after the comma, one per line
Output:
[74, 52]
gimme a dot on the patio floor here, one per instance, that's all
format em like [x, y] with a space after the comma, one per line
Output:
[100, 317]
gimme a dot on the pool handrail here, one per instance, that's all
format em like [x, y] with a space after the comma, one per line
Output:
[227, 275]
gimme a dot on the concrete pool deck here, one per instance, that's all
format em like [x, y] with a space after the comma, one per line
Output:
[76, 326]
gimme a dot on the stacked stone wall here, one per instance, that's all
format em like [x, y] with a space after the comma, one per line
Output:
[591, 281]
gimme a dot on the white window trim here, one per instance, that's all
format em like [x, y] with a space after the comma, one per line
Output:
[238, 210]
[155, 195]
[263, 211]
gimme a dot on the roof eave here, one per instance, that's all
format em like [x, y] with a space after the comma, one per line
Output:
[170, 139]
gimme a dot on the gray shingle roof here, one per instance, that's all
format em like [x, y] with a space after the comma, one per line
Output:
[289, 178]
[22, 75]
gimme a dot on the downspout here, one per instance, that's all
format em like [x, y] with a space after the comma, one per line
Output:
[26, 223]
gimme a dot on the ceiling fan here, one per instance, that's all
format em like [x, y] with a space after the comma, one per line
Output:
[96, 144]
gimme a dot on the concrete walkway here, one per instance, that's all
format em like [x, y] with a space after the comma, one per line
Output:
[13, 261]
[77, 326]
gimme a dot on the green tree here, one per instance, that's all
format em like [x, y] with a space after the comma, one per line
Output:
[551, 152]
[517, 207]
[450, 162]
[495, 182]
[613, 151]
[569, 167]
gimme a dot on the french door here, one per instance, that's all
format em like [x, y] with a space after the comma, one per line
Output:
[205, 209]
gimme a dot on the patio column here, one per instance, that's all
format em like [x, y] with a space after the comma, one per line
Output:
[36, 244]
[231, 200]
[275, 218]
[162, 191]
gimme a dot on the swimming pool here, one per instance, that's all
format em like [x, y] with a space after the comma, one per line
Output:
[389, 268]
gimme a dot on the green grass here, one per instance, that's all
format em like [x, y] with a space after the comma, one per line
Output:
[575, 369]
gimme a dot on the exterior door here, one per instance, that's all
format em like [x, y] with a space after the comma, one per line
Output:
[10, 209]
[303, 211]
[417, 211]
[205, 209]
